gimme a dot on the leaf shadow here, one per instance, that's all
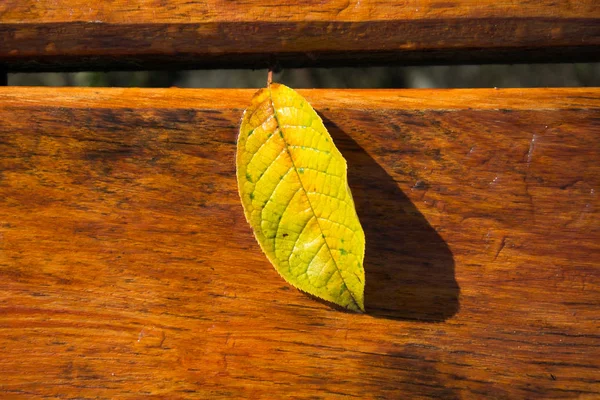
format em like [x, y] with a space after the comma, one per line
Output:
[409, 267]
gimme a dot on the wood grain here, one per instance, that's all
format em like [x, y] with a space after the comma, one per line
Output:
[149, 34]
[127, 268]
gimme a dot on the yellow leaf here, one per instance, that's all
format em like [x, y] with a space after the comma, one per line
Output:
[294, 189]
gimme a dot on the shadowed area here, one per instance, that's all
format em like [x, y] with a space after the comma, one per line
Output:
[409, 268]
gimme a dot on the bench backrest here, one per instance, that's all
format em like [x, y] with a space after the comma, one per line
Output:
[120, 34]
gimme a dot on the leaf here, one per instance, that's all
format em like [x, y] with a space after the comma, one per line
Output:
[294, 189]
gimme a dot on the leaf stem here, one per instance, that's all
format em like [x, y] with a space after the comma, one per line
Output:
[269, 77]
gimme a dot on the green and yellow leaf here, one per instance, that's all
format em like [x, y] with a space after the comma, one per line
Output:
[293, 185]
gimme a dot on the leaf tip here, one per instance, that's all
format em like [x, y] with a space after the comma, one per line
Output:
[360, 305]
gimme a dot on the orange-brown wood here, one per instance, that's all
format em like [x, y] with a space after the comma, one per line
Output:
[127, 268]
[147, 34]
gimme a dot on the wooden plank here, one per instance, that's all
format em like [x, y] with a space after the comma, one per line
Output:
[127, 268]
[76, 34]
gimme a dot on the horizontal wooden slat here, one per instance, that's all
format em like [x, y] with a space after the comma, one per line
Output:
[127, 268]
[148, 34]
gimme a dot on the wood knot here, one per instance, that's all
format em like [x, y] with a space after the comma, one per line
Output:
[151, 337]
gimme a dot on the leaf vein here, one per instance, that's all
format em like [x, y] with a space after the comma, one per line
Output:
[283, 212]
[309, 202]
[297, 146]
[300, 234]
[338, 223]
[260, 148]
[331, 196]
[323, 172]
[314, 256]
[304, 127]
[269, 166]
[273, 191]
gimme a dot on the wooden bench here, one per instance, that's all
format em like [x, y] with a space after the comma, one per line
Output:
[127, 268]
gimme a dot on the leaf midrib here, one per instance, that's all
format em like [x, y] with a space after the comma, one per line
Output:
[308, 198]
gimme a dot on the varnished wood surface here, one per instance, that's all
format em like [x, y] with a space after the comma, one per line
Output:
[127, 268]
[78, 34]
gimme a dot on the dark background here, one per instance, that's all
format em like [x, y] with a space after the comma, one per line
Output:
[458, 76]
